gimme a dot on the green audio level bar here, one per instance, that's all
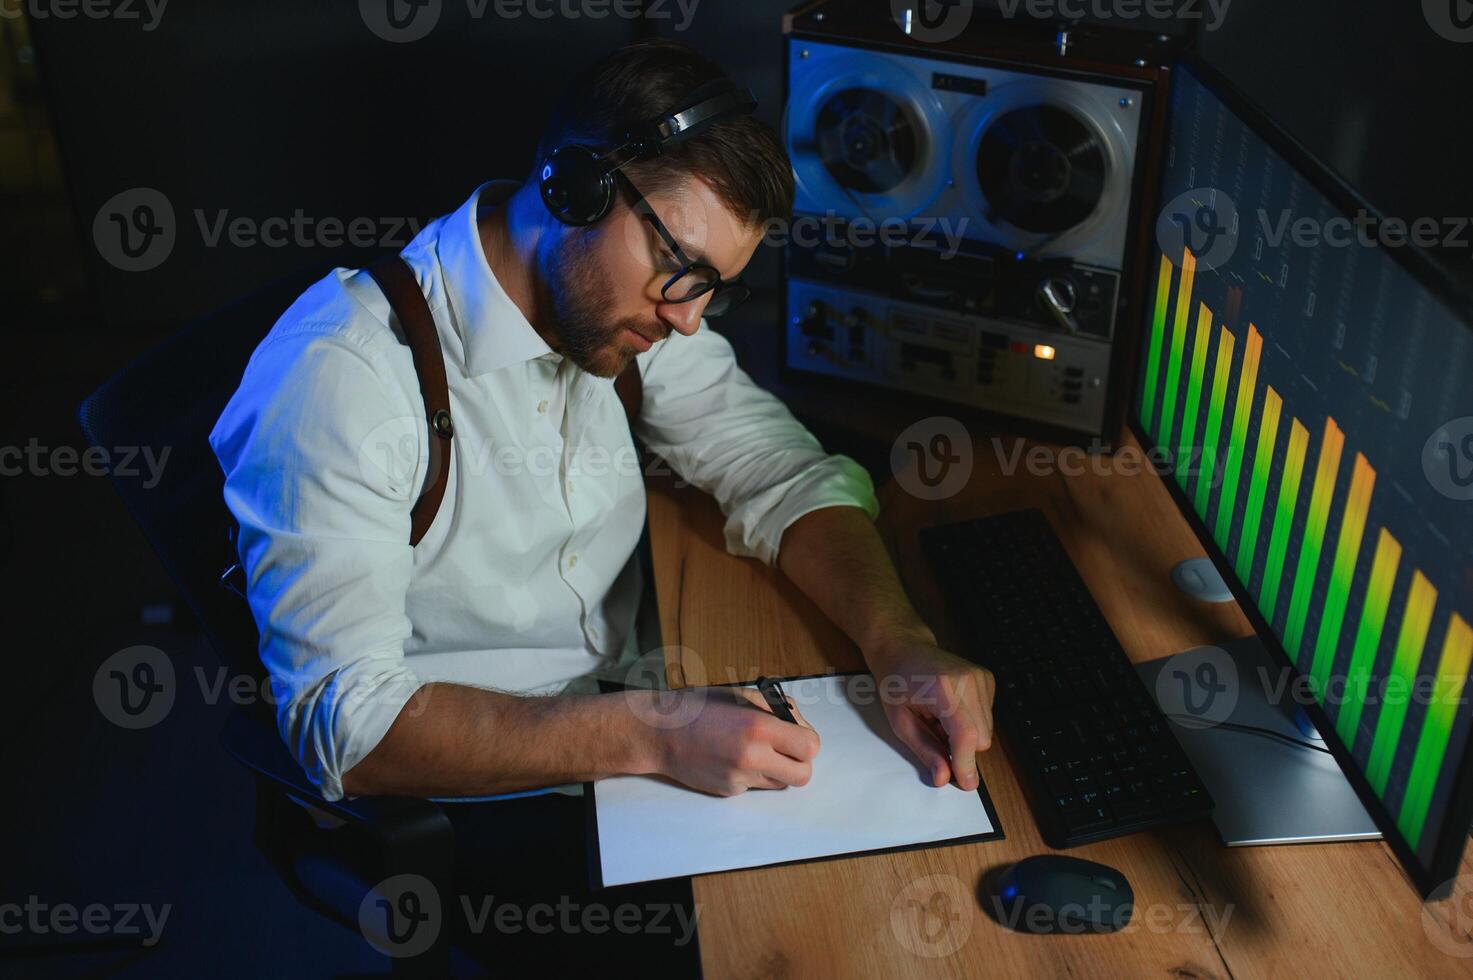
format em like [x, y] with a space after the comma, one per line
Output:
[1278, 544]
[1263, 456]
[1178, 345]
[1211, 445]
[1368, 635]
[1401, 682]
[1194, 395]
[1331, 445]
[1158, 337]
[1238, 440]
[1437, 728]
[1342, 571]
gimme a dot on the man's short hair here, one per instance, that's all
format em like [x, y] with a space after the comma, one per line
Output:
[741, 158]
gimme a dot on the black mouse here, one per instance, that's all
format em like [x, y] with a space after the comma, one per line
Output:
[1051, 893]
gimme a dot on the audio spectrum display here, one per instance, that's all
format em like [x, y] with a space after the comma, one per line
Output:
[1318, 403]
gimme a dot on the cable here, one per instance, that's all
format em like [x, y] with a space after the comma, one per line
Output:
[1252, 730]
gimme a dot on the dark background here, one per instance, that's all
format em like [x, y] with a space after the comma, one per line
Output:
[267, 107]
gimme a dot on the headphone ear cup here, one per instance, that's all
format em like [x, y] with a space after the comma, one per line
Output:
[576, 186]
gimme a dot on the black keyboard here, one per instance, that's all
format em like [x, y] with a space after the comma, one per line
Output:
[1094, 753]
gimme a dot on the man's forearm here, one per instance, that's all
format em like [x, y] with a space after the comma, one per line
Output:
[836, 557]
[451, 740]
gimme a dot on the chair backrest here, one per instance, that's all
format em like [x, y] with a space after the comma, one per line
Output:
[169, 399]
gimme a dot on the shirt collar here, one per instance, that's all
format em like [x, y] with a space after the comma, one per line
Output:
[493, 329]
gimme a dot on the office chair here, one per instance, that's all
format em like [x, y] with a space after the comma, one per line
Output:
[172, 396]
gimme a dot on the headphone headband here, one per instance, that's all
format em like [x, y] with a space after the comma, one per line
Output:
[577, 182]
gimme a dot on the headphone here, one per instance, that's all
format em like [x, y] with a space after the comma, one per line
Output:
[577, 181]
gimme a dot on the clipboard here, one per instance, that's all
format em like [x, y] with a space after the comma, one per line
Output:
[645, 828]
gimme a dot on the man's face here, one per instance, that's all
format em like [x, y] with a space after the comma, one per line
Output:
[605, 281]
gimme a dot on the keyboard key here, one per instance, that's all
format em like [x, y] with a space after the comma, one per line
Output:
[1089, 739]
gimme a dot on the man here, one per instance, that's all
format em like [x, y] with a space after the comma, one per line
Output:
[424, 671]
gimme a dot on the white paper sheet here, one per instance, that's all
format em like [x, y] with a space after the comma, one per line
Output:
[867, 793]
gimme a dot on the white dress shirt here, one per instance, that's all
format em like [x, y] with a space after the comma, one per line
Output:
[525, 582]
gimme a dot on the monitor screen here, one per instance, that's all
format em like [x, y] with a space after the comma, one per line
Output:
[1311, 389]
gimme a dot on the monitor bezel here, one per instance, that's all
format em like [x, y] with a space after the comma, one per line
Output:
[1434, 879]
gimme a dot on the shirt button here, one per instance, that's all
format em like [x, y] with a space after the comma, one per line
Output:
[593, 632]
[570, 486]
[572, 561]
[542, 407]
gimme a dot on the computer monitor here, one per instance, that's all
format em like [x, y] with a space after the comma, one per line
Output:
[1307, 380]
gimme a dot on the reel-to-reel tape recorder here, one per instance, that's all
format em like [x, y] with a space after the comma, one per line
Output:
[963, 224]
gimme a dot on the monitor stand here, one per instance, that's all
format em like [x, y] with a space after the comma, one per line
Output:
[1266, 791]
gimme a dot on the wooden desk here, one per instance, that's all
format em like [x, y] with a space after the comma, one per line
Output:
[1204, 910]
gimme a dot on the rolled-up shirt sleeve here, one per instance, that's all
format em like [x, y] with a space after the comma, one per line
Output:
[323, 453]
[724, 434]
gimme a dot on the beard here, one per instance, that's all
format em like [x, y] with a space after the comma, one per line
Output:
[579, 294]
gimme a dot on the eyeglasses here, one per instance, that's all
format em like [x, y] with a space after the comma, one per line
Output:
[693, 279]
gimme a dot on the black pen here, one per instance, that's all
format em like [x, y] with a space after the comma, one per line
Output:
[776, 700]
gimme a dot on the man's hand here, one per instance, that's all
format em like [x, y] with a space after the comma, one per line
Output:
[944, 709]
[732, 743]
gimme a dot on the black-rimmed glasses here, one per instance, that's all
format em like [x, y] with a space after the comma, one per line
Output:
[693, 279]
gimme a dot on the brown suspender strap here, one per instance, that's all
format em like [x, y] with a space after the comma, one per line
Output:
[396, 279]
[630, 388]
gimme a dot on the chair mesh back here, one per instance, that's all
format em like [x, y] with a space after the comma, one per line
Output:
[169, 399]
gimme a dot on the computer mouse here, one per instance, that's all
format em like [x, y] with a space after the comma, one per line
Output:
[1051, 893]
